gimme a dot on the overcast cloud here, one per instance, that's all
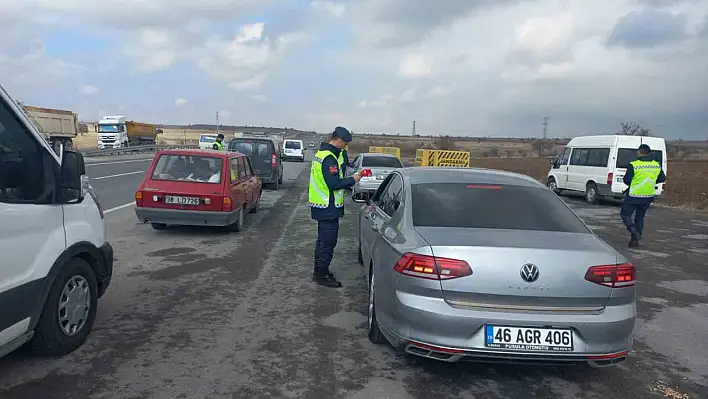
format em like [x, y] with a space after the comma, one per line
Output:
[484, 67]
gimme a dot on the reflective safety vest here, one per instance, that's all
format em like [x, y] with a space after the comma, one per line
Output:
[219, 146]
[341, 155]
[644, 179]
[319, 192]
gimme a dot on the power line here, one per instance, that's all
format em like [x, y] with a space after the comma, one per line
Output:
[545, 127]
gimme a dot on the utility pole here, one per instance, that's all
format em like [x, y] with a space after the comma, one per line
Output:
[545, 127]
[413, 131]
[217, 122]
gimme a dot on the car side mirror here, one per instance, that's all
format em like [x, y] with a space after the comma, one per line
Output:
[74, 183]
[361, 198]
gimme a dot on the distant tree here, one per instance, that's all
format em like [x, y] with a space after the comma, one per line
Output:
[541, 146]
[632, 129]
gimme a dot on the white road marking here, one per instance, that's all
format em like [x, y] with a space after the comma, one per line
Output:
[118, 175]
[115, 162]
[117, 208]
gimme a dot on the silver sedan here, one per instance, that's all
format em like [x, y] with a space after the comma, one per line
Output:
[377, 165]
[476, 264]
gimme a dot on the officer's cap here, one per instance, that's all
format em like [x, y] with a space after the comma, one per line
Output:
[221, 136]
[644, 148]
[342, 133]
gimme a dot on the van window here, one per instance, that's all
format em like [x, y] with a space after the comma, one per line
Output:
[188, 168]
[598, 157]
[250, 148]
[26, 170]
[293, 145]
[579, 157]
[207, 139]
[627, 155]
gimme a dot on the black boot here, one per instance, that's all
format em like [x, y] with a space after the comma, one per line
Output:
[325, 278]
[634, 241]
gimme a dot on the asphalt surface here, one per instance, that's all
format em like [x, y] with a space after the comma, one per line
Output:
[197, 313]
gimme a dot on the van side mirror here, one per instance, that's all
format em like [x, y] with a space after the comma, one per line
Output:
[74, 182]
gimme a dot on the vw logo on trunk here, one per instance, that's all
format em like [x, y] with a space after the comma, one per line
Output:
[529, 272]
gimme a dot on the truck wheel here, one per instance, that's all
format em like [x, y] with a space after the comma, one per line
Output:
[68, 145]
[69, 312]
[57, 146]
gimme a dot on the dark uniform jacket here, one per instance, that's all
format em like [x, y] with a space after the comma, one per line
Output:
[330, 172]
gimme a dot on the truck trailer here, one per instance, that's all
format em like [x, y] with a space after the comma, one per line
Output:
[118, 132]
[57, 125]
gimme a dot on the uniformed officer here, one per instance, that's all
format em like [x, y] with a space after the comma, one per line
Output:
[642, 176]
[326, 199]
[219, 143]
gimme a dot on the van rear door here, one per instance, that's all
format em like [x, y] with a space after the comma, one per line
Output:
[261, 153]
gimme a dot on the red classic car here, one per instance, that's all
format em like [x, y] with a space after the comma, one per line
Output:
[198, 188]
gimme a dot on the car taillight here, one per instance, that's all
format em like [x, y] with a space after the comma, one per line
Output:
[432, 267]
[614, 276]
[366, 173]
[609, 178]
[139, 198]
[273, 160]
[227, 205]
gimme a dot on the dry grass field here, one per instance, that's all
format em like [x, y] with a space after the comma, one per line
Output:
[687, 184]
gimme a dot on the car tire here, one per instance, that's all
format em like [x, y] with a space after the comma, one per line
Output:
[238, 224]
[158, 226]
[50, 338]
[591, 196]
[375, 335]
[275, 185]
[256, 206]
[280, 179]
[553, 185]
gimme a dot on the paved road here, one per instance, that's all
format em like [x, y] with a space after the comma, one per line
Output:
[196, 313]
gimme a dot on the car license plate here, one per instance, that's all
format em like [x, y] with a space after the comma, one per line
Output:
[619, 179]
[380, 177]
[182, 200]
[528, 338]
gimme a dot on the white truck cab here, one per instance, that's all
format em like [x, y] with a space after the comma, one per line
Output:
[595, 165]
[56, 261]
[112, 132]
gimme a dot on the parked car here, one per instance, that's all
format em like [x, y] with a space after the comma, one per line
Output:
[474, 264]
[265, 155]
[206, 141]
[198, 188]
[56, 260]
[374, 168]
[595, 165]
[294, 149]
[312, 144]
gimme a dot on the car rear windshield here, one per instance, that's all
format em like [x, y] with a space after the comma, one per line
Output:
[293, 145]
[492, 207]
[207, 139]
[372, 161]
[261, 149]
[627, 155]
[188, 168]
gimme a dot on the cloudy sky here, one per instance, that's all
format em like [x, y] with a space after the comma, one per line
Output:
[462, 67]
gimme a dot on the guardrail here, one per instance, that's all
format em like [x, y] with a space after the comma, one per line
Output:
[134, 150]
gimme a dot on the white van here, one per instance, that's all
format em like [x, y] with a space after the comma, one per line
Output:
[206, 141]
[595, 165]
[55, 259]
[294, 149]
